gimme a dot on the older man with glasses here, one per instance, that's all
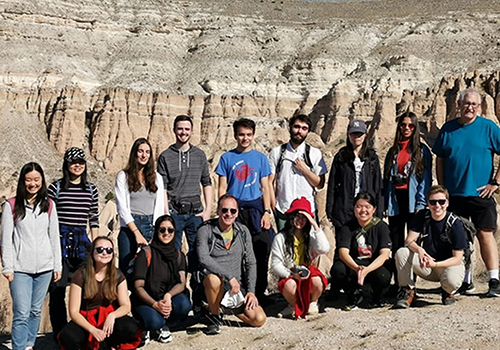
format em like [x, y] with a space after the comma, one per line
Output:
[228, 266]
[434, 250]
[465, 148]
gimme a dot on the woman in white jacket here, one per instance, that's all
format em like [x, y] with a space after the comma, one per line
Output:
[140, 201]
[31, 252]
[293, 251]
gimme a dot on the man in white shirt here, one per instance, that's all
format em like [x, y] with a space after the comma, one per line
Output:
[297, 170]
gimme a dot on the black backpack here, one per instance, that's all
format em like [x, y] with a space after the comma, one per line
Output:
[469, 229]
[307, 157]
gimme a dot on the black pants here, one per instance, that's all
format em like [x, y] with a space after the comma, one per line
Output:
[57, 291]
[345, 278]
[73, 337]
[261, 243]
[398, 222]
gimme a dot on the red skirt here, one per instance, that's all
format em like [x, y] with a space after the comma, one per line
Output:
[303, 291]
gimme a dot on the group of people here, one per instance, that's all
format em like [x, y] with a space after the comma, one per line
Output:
[46, 247]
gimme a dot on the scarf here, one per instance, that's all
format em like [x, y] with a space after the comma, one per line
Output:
[163, 273]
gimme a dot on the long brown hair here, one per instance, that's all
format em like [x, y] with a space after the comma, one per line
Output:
[109, 283]
[416, 156]
[132, 169]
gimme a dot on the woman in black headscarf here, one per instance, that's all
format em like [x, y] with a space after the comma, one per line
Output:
[160, 300]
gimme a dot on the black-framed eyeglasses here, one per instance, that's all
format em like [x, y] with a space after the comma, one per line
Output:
[164, 229]
[436, 201]
[100, 250]
[232, 210]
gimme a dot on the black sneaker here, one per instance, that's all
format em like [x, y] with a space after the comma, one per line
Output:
[354, 301]
[406, 295]
[214, 324]
[447, 298]
[494, 288]
[466, 288]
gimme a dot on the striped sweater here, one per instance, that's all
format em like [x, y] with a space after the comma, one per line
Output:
[76, 206]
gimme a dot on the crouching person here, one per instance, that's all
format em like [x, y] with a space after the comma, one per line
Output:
[293, 250]
[160, 300]
[438, 257]
[99, 304]
[227, 261]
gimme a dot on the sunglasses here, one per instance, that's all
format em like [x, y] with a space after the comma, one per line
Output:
[232, 210]
[100, 250]
[409, 126]
[436, 201]
[163, 230]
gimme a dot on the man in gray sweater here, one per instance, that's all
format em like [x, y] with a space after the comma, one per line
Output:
[226, 257]
[183, 168]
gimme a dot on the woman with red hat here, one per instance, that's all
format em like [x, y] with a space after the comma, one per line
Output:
[292, 254]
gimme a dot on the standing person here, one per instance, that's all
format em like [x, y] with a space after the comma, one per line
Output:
[434, 259]
[228, 264]
[297, 245]
[465, 148]
[183, 168]
[31, 252]
[355, 169]
[297, 169]
[244, 174]
[77, 203]
[99, 304]
[364, 247]
[407, 177]
[160, 298]
[140, 201]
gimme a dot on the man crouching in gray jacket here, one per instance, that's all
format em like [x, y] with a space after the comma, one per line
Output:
[225, 253]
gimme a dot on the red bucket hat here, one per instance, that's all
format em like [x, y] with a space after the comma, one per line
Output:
[300, 204]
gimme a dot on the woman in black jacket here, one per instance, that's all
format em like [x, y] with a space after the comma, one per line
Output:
[355, 169]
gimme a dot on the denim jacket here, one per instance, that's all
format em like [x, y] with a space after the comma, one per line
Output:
[417, 188]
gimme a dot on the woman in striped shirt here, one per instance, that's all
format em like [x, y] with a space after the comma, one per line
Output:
[77, 205]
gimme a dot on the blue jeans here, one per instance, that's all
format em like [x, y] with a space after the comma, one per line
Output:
[152, 320]
[28, 292]
[127, 245]
[189, 224]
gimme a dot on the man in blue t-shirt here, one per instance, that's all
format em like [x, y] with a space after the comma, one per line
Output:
[465, 148]
[438, 257]
[244, 173]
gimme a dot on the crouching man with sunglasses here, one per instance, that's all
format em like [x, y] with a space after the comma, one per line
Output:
[433, 250]
[225, 253]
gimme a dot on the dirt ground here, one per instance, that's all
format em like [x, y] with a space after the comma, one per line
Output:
[472, 323]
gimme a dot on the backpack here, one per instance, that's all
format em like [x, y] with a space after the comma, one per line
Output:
[58, 190]
[12, 202]
[469, 229]
[307, 157]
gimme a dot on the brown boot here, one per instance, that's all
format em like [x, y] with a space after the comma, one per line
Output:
[405, 298]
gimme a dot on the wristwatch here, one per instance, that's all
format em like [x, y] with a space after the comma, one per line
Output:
[494, 182]
[268, 211]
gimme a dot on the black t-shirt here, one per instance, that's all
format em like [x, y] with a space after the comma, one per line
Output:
[99, 299]
[167, 280]
[434, 240]
[367, 246]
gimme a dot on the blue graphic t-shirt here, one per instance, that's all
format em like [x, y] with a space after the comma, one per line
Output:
[468, 152]
[243, 171]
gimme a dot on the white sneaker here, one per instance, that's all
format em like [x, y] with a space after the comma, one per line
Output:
[313, 308]
[288, 311]
[164, 335]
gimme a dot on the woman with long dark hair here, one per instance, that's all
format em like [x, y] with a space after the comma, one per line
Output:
[293, 251]
[99, 304]
[160, 283]
[407, 177]
[140, 200]
[31, 252]
[364, 246]
[77, 203]
[355, 169]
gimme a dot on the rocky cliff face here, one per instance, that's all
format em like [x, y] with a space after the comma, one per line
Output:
[101, 73]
